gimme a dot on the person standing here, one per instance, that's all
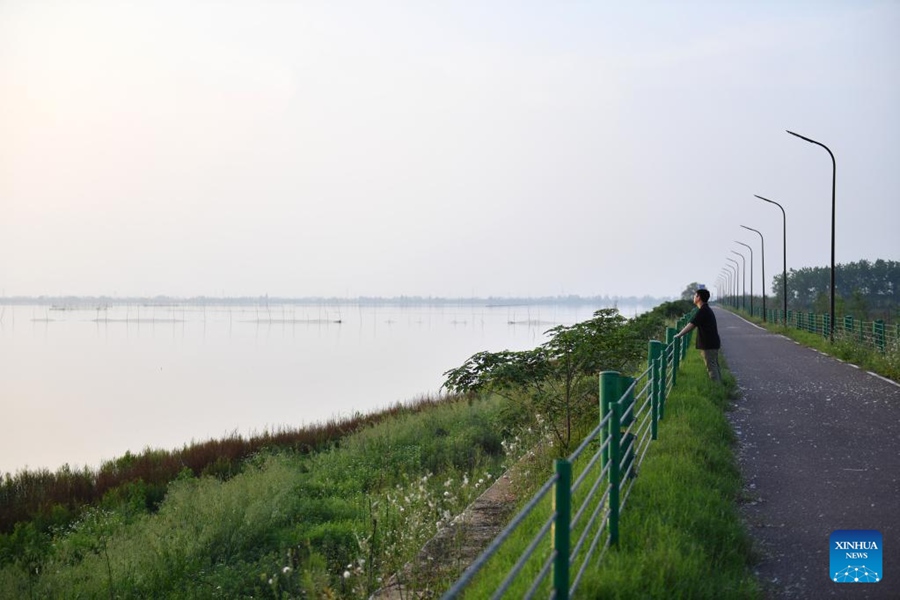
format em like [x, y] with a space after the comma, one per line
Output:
[708, 342]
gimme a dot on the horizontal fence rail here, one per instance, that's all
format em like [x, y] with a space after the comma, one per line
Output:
[583, 520]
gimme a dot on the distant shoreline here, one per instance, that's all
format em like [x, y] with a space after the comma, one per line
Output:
[70, 302]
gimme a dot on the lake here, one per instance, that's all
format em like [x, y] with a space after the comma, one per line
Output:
[81, 385]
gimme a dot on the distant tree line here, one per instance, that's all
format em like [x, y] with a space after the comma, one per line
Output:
[106, 301]
[864, 289]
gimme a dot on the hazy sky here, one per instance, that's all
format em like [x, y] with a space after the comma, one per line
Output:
[437, 148]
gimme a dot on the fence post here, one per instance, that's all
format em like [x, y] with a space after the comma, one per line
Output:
[878, 334]
[671, 340]
[625, 408]
[657, 386]
[663, 380]
[609, 388]
[563, 501]
[676, 357]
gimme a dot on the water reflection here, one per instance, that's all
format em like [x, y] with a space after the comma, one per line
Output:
[85, 384]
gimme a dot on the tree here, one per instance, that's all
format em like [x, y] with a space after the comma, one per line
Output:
[869, 288]
[558, 378]
[688, 293]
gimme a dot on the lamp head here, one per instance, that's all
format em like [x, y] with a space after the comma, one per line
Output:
[799, 136]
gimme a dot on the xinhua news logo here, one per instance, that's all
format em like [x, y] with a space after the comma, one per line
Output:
[856, 556]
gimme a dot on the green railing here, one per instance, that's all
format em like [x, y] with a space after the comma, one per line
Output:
[876, 334]
[565, 544]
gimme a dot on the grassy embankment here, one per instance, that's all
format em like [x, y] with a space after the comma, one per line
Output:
[328, 524]
[40, 500]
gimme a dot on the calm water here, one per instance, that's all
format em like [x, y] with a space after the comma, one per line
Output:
[80, 386]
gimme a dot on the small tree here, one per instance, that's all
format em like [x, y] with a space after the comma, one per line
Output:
[688, 293]
[558, 377]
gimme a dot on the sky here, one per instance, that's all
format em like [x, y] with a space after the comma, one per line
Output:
[244, 148]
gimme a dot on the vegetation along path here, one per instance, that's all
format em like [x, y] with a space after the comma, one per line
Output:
[819, 452]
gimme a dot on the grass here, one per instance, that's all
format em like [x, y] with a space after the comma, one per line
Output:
[330, 524]
[50, 499]
[681, 532]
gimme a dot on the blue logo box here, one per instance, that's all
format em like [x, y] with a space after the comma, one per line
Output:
[856, 556]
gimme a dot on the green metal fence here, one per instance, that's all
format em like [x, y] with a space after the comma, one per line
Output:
[583, 519]
[876, 334]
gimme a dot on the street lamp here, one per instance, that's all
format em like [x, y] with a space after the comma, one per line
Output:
[833, 182]
[744, 278]
[751, 272]
[732, 279]
[763, 261]
[784, 248]
[737, 278]
[725, 275]
[723, 286]
[734, 284]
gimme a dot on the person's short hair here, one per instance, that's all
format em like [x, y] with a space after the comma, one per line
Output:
[704, 294]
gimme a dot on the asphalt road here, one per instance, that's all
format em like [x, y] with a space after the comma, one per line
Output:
[819, 450]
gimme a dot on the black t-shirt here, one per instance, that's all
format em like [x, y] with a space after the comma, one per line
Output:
[707, 330]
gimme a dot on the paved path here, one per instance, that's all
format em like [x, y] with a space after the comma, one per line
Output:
[819, 451]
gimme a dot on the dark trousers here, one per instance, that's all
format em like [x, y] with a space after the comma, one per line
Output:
[711, 358]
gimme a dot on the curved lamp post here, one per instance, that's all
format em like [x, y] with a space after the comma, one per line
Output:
[751, 272]
[729, 281]
[744, 278]
[784, 248]
[726, 287]
[732, 276]
[723, 286]
[735, 287]
[763, 261]
[737, 279]
[833, 182]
